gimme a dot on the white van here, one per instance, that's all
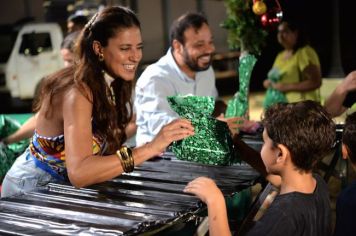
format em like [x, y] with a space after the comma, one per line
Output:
[35, 54]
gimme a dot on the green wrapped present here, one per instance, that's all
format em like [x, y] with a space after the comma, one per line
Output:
[212, 142]
[9, 153]
[273, 96]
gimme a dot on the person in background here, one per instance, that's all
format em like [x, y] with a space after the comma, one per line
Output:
[84, 110]
[67, 48]
[27, 129]
[184, 70]
[343, 96]
[346, 201]
[76, 23]
[296, 73]
[296, 136]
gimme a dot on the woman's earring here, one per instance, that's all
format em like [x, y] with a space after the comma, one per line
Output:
[101, 57]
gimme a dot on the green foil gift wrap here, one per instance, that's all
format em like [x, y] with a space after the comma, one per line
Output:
[212, 143]
[9, 153]
[273, 96]
[238, 105]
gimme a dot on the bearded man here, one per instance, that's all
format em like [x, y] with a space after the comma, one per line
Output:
[185, 69]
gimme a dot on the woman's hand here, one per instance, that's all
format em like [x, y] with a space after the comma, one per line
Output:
[281, 87]
[175, 130]
[266, 83]
[205, 189]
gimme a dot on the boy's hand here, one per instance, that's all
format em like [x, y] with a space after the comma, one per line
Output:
[205, 189]
[234, 123]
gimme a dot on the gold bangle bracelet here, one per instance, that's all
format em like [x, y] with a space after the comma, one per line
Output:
[122, 161]
[125, 159]
[129, 158]
[118, 154]
[125, 156]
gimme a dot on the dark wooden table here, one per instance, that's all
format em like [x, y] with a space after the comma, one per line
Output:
[147, 201]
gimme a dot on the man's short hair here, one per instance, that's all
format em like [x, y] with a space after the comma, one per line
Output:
[305, 128]
[78, 20]
[180, 25]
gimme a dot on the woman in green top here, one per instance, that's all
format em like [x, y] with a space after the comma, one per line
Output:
[296, 73]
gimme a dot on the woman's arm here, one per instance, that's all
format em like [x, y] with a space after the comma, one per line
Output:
[334, 103]
[311, 80]
[83, 167]
[131, 127]
[24, 132]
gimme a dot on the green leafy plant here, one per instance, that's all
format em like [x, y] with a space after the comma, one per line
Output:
[245, 31]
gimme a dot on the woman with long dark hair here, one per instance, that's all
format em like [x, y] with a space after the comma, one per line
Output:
[84, 112]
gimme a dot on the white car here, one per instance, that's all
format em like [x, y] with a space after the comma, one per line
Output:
[35, 54]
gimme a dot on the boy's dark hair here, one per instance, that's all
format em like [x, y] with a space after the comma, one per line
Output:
[179, 26]
[305, 128]
[349, 136]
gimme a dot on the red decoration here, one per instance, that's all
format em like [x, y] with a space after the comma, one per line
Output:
[273, 16]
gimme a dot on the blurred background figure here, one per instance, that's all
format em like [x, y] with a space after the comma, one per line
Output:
[76, 22]
[346, 204]
[296, 73]
[67, 48]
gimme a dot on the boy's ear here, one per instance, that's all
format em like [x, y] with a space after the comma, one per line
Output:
[344, 151]
[282, 153]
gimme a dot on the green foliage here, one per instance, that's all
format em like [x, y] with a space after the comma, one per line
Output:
[245, 31]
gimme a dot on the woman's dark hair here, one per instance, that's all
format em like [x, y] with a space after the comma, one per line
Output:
[302, 39]
[305, 128]
[70, 41]
[109, 121]
[179, 26]
[349, 136]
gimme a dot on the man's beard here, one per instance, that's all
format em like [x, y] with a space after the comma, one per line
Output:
[193, 64]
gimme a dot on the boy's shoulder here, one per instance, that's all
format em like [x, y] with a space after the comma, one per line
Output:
[293, 200]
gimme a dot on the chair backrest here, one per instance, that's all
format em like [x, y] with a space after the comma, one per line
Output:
[259, 206]
[335, 165]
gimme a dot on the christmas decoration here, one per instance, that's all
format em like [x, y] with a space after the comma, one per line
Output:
[259, 7]
[245, 32]
[247, 23]
[272, 16]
